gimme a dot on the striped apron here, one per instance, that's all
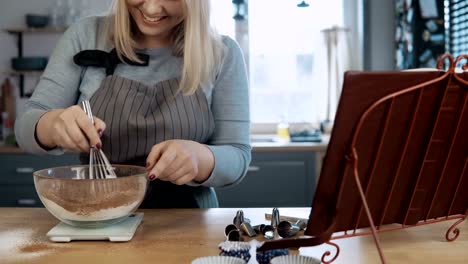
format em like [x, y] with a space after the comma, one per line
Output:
[139, 116]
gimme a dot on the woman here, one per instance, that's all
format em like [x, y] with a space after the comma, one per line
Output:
[167, 92]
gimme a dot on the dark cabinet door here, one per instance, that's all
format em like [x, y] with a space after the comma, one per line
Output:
[18, 168]
[273, 180]
[16, 177]
[19, 196]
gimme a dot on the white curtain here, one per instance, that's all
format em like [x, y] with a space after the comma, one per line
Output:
[344, 50]
[339, 60]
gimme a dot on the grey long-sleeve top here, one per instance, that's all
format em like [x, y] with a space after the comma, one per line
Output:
[64, 84]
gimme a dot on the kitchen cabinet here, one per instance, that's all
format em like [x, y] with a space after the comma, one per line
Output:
[16, 180]
[274, 179]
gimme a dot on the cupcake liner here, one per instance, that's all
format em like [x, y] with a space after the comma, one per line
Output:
[242, 250]
[229, 246]
[218, 260]
[294, 259]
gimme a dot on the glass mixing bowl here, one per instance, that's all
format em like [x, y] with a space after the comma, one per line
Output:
[73, 198]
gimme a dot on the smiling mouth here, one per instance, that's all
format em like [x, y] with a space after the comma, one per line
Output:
[155, 19]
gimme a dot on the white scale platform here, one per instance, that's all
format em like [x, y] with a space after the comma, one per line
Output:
[120, 232]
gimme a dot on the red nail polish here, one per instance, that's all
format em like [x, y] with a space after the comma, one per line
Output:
[152, 177]
[98, 146]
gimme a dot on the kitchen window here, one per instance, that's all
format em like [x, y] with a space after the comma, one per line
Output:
[456, 23]
[286, 55]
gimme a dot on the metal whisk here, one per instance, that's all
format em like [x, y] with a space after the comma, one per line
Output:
[99, 165]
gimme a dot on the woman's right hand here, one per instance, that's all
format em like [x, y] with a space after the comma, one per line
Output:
[70, 129]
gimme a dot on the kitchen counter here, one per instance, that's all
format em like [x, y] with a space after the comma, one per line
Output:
[271, 143]
[181, 235]
[10, 150]
[258, 142]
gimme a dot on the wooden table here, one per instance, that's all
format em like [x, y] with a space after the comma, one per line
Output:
[181, 235]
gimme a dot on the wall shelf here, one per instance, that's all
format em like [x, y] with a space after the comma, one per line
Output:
[34, 30]
[8, 149]
[15, 73]
[19, 32]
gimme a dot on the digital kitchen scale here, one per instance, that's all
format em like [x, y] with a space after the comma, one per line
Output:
[119, 232]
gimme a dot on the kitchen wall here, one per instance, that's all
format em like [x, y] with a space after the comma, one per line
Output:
[352, 18]
[12, 15]
[378, 51]
[379, 28]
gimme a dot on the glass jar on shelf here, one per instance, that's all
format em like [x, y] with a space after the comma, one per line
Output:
[85, 8]
[72, 13]
[57, 14]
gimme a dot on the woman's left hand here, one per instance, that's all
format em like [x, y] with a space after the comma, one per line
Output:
[180, 161]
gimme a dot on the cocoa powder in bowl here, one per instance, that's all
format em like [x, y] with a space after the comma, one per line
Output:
[87, 196]
[91, 200]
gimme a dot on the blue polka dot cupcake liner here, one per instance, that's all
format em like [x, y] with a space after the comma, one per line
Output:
[242, 250]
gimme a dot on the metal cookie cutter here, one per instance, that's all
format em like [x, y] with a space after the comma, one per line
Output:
[259, 228]
[301, 224]
[286, 229]
[268, 232]
[248, 229]
[239, 219]
[232, 233]
[275, 217]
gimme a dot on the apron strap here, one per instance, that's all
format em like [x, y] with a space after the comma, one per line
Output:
[107, 60]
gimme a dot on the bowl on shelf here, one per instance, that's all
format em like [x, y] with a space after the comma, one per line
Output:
[37, 21]
[73, 198]
[29, 63]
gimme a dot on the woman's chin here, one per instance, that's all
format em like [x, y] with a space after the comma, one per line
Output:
[151, 38]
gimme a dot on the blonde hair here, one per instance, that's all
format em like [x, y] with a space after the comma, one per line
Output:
[193, 39]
